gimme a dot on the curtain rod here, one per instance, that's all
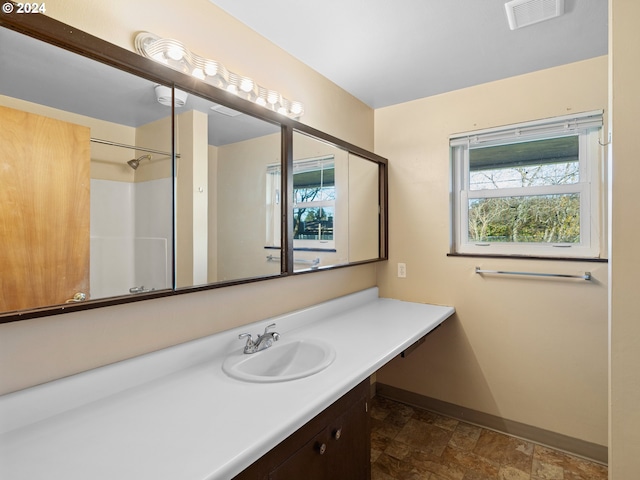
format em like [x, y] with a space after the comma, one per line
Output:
[132, 147]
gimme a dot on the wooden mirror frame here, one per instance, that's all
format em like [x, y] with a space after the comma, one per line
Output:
[56, 33]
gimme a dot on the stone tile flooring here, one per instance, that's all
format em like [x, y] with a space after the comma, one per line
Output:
[408, 443]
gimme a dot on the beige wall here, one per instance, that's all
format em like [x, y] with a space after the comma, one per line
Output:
[525, 349]
[624, 401]
[156, 136]
[241, 208]
[39, 350]
[363, 209]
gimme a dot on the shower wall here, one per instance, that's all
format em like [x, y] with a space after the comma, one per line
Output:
[131, 236]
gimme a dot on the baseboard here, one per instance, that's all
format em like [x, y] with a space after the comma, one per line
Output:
[574, 446]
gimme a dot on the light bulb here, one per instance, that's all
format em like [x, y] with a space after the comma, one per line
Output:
[175, 53]
[272, 97]
[159, 57]
[211, 69]
[246, 84]
[296, 108]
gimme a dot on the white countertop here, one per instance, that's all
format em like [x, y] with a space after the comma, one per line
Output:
[174, 414]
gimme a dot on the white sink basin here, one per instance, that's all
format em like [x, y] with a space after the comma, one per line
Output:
[285, 360]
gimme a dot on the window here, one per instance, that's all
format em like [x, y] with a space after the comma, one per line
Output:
[314, 201]
[530, 189]
[314, 204]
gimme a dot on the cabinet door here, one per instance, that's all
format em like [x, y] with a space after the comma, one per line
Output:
[349, 445]
[334, 445]
[340, 452]
[308, 463]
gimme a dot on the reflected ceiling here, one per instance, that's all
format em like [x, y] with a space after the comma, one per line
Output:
[77, 84]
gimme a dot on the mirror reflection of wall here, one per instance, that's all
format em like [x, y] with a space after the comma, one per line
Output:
[364, 210]
[222, 196]
[124, 243]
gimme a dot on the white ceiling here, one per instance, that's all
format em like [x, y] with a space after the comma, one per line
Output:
[386, 52]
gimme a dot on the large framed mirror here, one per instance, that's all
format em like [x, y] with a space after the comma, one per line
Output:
[123, 180]
[335, 207]
[222, 197]
[86, 177]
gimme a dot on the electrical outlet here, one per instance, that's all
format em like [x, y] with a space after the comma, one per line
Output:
[402, 270]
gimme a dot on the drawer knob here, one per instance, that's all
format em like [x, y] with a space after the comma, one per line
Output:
[322, 447]
[337, 434]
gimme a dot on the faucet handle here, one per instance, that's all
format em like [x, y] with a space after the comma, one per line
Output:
[249, 339]
[266, 329]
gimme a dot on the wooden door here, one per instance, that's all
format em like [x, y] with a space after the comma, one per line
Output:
[44, 210]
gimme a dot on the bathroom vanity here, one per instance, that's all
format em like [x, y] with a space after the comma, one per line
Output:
[175, 414]
[334, 445]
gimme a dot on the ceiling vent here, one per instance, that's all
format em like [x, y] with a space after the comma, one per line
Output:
[527, 12]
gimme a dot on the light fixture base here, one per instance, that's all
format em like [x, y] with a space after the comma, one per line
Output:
[163, 95]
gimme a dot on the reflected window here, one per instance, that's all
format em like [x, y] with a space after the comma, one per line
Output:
[314, 193]
[314, 204]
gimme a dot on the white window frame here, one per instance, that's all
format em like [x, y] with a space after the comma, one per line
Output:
[309, 164]
[587, 127]
[273, 206]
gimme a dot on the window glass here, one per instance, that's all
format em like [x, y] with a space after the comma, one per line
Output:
[525, 219]
[315, 223]
[528, 164]
[314, 191]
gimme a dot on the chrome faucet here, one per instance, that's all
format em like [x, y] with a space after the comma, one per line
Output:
[262, 341]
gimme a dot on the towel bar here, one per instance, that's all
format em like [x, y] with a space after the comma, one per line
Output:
[586, 276]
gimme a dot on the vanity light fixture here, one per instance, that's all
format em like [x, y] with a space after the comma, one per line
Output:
[175, 55]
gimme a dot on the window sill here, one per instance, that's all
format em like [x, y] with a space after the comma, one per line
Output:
[529, 257]
[300, 249]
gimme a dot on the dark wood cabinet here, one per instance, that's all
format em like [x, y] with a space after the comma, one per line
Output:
[334, 445]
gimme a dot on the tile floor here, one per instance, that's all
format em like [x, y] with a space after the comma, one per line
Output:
[408, 443]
